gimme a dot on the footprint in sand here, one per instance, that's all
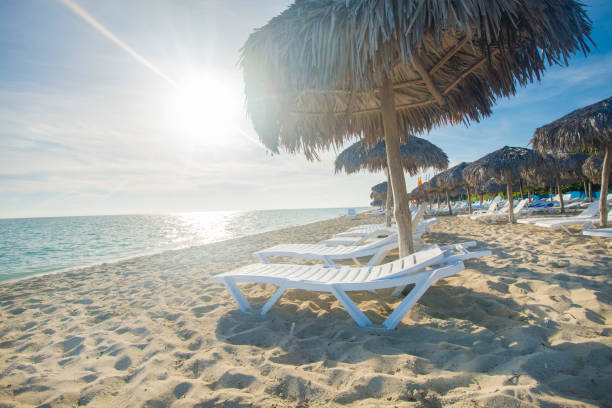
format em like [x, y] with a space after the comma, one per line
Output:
[123, 364]
[182, 389]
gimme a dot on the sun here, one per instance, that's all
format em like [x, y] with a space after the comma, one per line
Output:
[203, 108]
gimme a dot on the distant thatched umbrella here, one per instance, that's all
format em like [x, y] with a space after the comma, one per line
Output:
[417, 155]
[592, 166]
[452, 179]
[324, 71]
[503, 165]
[379, 191]
[376, 203]
[589, 128]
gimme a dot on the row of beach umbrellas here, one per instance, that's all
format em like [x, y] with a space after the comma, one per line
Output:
[511, 165]
[324, 72]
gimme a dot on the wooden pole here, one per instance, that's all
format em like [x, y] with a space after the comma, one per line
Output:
[510, 204]
[521, 187]
[389, 202]
[450, 210]
[560, 195]
[469, 199]
[605, 179]
[590, 192]
[586, 193]
[396, 171]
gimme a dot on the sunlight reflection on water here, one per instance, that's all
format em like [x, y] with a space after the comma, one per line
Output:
[30, 246]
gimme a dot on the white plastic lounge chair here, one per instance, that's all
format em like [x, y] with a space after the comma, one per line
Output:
[405, 271]
[591, 211]
[601, 232]
[490, 211]
[518, 209]
[376, 250]
[368, 229]
[562, 222]
[360, 240]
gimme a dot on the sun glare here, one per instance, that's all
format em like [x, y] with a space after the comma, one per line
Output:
[203, 109]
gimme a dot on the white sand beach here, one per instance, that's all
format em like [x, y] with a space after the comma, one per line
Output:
[528, 326]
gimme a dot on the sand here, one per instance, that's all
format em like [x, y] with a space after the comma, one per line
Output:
[528, 326]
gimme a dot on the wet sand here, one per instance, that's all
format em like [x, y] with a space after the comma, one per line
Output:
[528, 326]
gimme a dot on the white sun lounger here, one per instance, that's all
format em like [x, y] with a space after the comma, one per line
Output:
[518, 210]
[376, 250]
[370, 229]
[562, 223]
[490, 210]
[408, 270]
[591, 211]
[601, 232]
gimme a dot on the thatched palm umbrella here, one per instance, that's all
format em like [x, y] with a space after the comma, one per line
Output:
[452, 179]
[379, 192]
[324, 71]
[376, 203]
[585, 129]
[417, 155]
[505, 166]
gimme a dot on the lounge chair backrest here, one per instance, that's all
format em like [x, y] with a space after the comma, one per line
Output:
[494, 204]
[416, 218]
[591, 211]
[408, 264]
[519, 207]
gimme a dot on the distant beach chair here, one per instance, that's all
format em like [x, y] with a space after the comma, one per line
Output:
[320, 278]
[376, 250]
[601, 232]
[591, 211]
[563, 222]
[489, 211]
[368, 229]
[490, 218]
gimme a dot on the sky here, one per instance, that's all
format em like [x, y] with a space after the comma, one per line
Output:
[123, 107]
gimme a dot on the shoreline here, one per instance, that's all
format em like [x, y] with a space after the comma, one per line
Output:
[527, 326]
[152, 253]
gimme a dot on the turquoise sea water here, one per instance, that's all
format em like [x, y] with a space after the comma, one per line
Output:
[30, 246]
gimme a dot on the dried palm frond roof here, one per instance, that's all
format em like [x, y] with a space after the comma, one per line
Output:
[453, 177]
[417, 155]
[420, 191]
[592, 168]
[490, 186]
[569, 165]
[312, 74]
[380, 187]
[495, 165]
[376, 203]
[581, 130]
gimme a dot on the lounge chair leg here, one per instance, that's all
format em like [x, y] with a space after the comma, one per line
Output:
[409, 301]
[350, 306]
[272, 300]
[378, 256]
[239, 298]
[264, 259]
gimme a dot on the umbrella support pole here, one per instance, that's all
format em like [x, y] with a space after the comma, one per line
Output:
[605, 179]
[510, 203]
[560, 196]
[389, 202]
[394, 166]
[586, 192]
[450, 210]
[469, 194]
